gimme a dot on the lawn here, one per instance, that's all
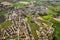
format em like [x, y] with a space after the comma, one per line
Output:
[5, 24]
[18, 5]
[3, 12]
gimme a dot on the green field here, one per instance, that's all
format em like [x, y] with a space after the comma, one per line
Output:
[18, 5]
[3, 12]
[5, 24]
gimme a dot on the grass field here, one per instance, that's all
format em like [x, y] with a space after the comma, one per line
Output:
[3, 12]
[18, 5]
[5, 24]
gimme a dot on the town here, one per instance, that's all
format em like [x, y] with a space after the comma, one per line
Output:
[27, 23]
